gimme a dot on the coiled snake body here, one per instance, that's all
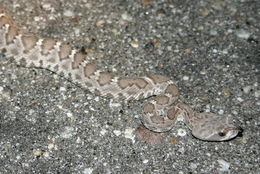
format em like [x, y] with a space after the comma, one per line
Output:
[159, 114]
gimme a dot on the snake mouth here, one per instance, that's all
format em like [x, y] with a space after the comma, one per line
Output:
[236, 132]
[240, 132]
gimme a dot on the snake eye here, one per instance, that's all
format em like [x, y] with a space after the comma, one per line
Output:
[221, 134]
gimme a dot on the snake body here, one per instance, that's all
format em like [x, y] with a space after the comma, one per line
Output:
[159, 114]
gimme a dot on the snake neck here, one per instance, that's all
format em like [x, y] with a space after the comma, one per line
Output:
[189, 115]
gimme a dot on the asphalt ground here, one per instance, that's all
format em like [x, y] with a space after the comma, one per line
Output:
[210, 48]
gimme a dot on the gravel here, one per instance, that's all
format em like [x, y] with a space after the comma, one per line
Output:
[211, 48]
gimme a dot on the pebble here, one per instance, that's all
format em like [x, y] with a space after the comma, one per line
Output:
[62, 89]
[100, 23]
[37, 18]
[37, 152]
[181, 132]
[187, 51]
[257, 93]
[247, 89]
[181, 150]
[224, 165]
[117, 132]
[68, 132]
[126, 17]
[1, 89]
[77, 31]
[68, 13]
[88, 5]
[156, 42]
[87, 171]
[243, 34]
[103, 131]
[193, 165]
[129, 133]
[226, 92]
[46, 154]
[145, 161]
[204, 11]
[46, 6]
[240, 99]
[185, 78]
[69, 114]
[221, 112]
[114, 105]
[134, 44]
[51, 145]
[213, 32]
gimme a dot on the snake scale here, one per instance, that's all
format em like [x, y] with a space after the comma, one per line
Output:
[159, 114]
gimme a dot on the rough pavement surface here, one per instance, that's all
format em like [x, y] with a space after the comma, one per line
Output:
[211, 48]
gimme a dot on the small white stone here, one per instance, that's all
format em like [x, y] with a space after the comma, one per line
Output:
[69, 114]
[87, 171]
[242, 34]
[181, 132]
[114, 105]
[37, 152]
[51, 145]
[207, 110]
[213, 32]
[78, 140]
[257, 93]
[126, 17]
[224, 165]
[180, 118]
[185, 78]
[68, 132]
[225, 51]
[13, 77]
[221, 112]
[46, 154]
[37, 18]
[193, 165]
[134, 44]
[129, 133]
[103, 131]
[145, 161]
[230, 31]
[203, 72]
[234, 112]
[117, 132]
[1, 89]
[247, 89]
[181, 150]
[88, 5]
[68, 13]
[77, 31]
[240, 99]
[62, 89]
[46, 6]
[97, 99]
[100, 23]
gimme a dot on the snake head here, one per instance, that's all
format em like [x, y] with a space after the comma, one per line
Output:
[212, 127]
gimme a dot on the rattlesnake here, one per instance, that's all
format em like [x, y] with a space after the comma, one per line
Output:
[159, 114]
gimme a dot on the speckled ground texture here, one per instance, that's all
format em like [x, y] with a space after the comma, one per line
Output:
[211, 48]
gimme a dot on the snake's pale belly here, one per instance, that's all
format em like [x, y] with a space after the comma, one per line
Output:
[159, 114]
